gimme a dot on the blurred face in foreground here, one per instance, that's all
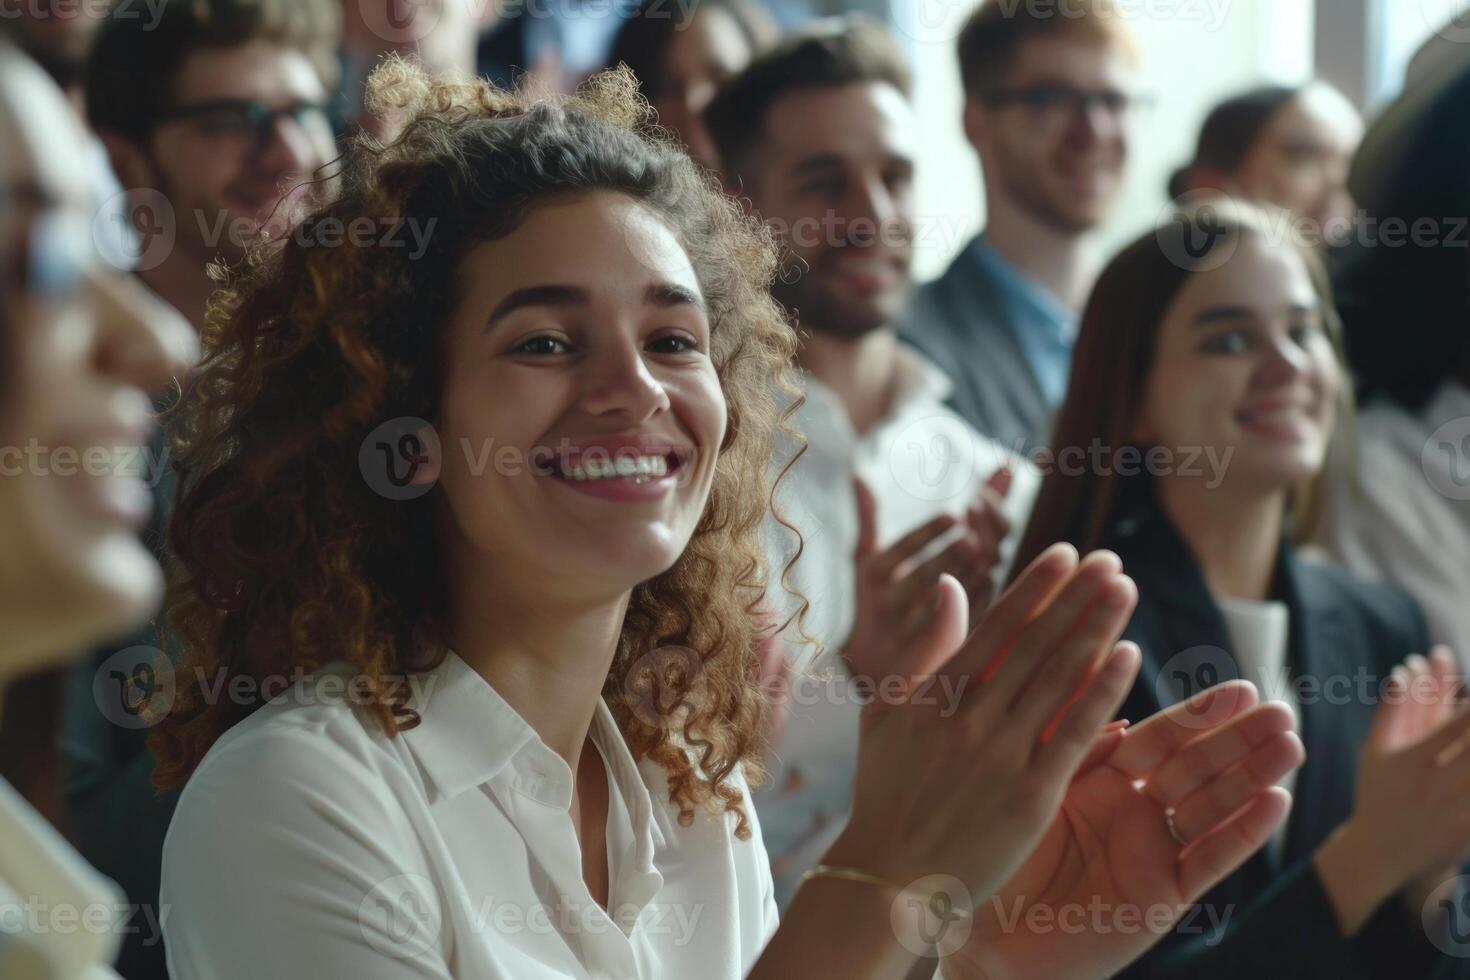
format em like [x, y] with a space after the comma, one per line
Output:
[81, 349]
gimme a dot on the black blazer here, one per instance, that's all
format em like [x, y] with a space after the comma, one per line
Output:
[1280, 923]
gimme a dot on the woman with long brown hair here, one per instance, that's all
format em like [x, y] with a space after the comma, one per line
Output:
[468, 575]
[1207, 387]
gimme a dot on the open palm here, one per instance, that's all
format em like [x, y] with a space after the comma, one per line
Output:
[1108, 879]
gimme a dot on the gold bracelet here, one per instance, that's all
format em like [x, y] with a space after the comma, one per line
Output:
[848, 874]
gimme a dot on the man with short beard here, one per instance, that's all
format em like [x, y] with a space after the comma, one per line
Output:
[893, 489]
[1048, 94]
[215, 116]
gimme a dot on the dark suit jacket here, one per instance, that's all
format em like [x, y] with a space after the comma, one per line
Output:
[961, 323]
[1281, 924]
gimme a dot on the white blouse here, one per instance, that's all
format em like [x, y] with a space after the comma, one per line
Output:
[1259, 635]
[309, 843]
[59, 918]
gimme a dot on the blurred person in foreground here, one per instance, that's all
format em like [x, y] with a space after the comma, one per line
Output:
[216, 117]
[82, 349]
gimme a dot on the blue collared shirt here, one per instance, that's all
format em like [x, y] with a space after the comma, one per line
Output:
[1045, 329]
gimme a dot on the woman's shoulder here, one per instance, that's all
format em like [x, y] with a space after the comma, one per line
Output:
[312, 749]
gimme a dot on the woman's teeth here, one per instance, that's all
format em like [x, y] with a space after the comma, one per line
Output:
[640, 468]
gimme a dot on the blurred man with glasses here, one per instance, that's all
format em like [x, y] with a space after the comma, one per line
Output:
[1049, 91]
[215, 116]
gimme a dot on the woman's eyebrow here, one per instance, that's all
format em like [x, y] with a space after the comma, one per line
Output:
[560, 296]
[554, 295]
[672, 294]
[1222, 314]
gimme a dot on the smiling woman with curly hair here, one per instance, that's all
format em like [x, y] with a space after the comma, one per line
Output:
[289, 552]
[467, 581]
[291, 555]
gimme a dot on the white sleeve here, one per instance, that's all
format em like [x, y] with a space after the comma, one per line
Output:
[289, 857]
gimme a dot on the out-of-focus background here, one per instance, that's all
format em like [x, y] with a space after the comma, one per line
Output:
[1196, 53]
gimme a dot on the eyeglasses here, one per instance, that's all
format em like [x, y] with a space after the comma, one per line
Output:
[245, 119]
[1058, 105]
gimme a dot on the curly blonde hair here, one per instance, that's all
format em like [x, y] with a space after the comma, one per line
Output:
[285, 559]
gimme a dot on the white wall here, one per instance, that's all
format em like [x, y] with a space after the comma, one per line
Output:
[1195, 53]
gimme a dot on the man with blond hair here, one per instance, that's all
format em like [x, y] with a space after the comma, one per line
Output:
[1048, 93]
